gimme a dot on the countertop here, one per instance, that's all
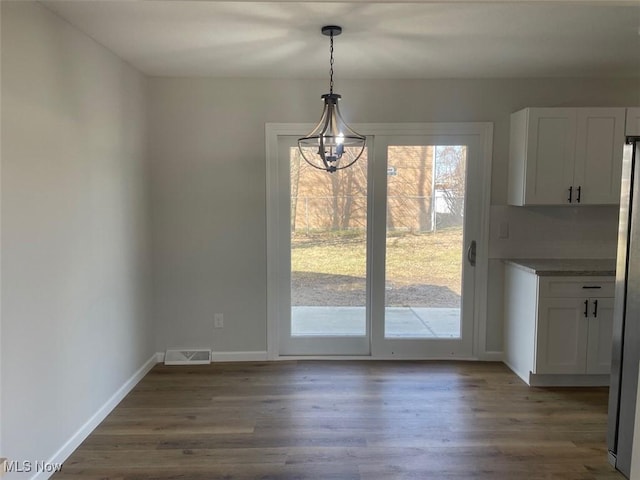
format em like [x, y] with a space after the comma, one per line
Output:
[566, 267]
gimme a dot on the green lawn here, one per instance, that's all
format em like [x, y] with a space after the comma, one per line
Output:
[427, 258]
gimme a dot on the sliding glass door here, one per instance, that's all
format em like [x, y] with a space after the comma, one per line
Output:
[423, 246]
[378, 259]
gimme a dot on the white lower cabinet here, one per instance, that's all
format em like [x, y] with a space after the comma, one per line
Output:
[574, 335]
[558, 329]
[562, 337]
[600, 337]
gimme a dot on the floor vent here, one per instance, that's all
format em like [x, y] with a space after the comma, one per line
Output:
[187, 357]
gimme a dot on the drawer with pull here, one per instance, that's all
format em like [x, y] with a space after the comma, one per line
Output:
[551, 287]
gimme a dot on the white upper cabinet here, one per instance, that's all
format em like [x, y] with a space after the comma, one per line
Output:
[566, 156]
[541, 155]
[633, 122]
[599, 145]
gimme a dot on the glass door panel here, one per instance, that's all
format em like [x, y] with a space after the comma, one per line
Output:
[422, 286]
[424, 240]
[328, 248]
[328, 259]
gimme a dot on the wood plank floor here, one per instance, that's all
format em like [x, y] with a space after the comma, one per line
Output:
[347, 420]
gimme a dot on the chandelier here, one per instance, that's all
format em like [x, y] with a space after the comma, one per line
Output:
[324, 146]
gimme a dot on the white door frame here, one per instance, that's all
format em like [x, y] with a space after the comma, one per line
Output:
[273, 130]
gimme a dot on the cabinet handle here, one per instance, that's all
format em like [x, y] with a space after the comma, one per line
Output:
[591, 286]
[579, 193]
[595, 308]
[570, 199]
[586, 308]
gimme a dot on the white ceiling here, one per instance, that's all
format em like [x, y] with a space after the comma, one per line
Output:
[450, 39]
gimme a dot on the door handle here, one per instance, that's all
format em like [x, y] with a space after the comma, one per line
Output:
[471, 253]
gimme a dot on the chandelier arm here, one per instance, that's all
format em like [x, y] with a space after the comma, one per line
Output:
[342, 167]
[324, 169]
[327, 121]
[321, 151]
[337, 168]
[301, 148]
[309, 162]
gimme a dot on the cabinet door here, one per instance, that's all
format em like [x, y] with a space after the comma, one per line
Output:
[562, 336]
[550, 157]
[598, 164]
[600, 336]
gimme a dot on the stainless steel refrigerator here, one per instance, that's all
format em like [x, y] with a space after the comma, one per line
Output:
[626, 324]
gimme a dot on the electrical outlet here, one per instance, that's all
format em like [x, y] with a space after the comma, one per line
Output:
[218, 320]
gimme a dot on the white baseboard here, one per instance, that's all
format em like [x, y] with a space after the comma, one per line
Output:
[239, 356]
[538, 380]
[258, 356]
[367, 358]
[263, 356]
[559, 380]
[524, 376]
[77, 438]
[491, 356]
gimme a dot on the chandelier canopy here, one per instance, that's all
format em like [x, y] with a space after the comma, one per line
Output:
[325, 145]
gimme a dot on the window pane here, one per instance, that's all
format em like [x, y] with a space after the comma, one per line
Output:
[328, 248]
[425, 211]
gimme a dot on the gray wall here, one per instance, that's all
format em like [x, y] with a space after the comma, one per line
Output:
[75, 325]
[207, 153]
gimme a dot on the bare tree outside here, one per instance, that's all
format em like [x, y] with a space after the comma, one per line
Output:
[425, 212]
[409, 188]
[328, 233]
[450, 181]
[328, 201]
[296, 159]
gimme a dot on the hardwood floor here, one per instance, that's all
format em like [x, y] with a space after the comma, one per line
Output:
[347, 420]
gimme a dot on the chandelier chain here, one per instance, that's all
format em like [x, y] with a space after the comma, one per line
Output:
[331, 65]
